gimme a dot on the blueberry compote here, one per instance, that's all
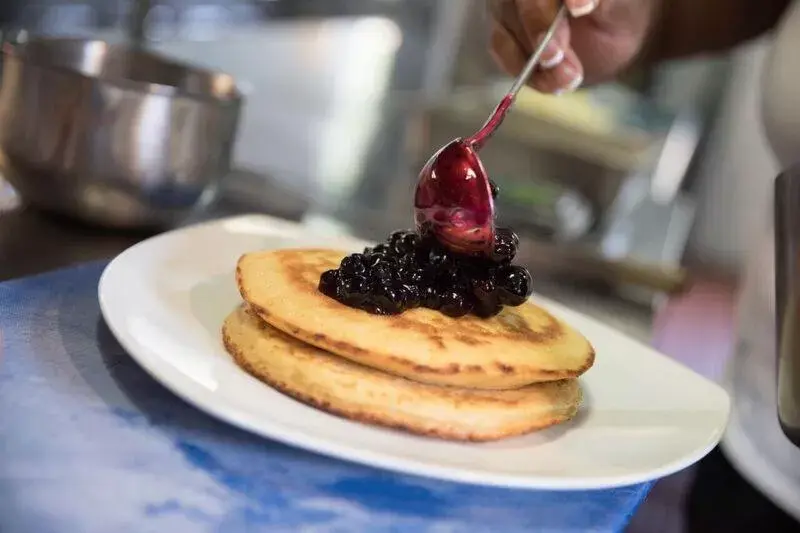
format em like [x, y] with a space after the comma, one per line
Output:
[453, 200]
[415, 270]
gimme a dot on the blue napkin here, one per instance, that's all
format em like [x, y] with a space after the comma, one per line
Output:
[89, 443]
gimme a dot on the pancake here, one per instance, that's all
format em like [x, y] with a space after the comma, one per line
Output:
[519, 346]
[353, 391]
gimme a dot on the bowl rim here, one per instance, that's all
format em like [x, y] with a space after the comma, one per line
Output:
[16, 50]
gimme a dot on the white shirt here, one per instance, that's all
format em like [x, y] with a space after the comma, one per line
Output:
[754, 441]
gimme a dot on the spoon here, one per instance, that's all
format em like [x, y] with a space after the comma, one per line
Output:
[454, 198]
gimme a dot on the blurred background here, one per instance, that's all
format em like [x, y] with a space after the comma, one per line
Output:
[345, 99]
[633, 187]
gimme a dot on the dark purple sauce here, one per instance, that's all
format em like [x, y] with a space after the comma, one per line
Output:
[456, 261]
[453, 199]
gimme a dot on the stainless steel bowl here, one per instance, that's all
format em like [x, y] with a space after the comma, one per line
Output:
[111, 134]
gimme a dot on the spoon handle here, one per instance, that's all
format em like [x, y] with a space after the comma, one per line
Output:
[479, 139]
[523, 77]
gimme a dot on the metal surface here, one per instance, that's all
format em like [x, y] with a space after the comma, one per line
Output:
[787, 299]
[533, 62]
[478, 139]
[113, 135]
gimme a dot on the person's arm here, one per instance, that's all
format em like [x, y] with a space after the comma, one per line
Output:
[687, 27]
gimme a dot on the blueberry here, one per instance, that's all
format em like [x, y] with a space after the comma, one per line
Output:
[395, 236]
[406, 263]
[494, 188]
[413, 269]
[391, 293]
[515, 285]
[409, 294]
[438, 256]
[412, 238]
[381, 249]
[388, 300]
[479, 264]
[352, 265]
[476, 270]
[402, 274]
[505, 246]
[430, 297]
[487, 309]
[329, 283]
[448, 278]
[414, 296]
[376, 259]
[404, 243]
[421, 256]
[508, 233]
[382, 273]
[454, 304]
[503, 253]
[484, 290]
[354, 288]
[431, 273]
[416, 276]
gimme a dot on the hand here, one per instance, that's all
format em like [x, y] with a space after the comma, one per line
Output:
[597, 41]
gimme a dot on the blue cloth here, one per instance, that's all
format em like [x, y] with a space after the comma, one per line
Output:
[89, 443]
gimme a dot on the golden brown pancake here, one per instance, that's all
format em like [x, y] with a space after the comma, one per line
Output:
[347, 389]
[520, 346]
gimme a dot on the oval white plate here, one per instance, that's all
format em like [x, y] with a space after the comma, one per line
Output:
[164, 299]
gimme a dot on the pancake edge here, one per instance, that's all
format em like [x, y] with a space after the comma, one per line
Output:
[484, 376]
[360, 416]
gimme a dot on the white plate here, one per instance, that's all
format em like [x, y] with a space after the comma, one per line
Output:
[644, 417]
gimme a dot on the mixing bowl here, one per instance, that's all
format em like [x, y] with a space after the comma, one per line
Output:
[112, 134]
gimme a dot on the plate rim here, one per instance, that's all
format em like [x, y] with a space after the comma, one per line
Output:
[348, 453]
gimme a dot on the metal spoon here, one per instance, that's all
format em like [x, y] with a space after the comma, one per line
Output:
[453, 198]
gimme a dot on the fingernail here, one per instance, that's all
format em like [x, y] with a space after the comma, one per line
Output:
[552, 56]
[580, 10]
[553, 61]
[572, 86]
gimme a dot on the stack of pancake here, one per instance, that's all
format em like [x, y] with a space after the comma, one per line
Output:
[453, 378]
